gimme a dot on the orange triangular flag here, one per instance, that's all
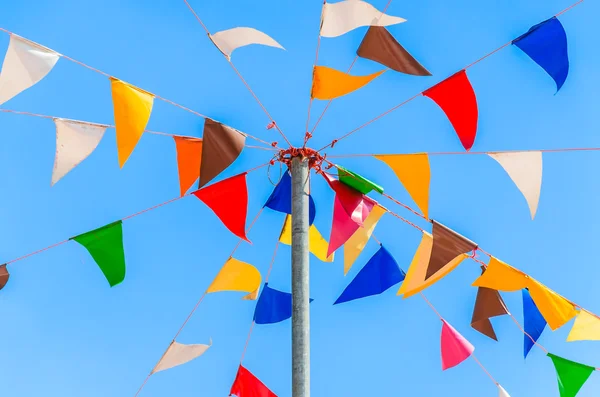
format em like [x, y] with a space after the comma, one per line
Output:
[329, 83]
[189, 159]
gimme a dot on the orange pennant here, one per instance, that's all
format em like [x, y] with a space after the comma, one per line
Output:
[329, 83]
[189, 159]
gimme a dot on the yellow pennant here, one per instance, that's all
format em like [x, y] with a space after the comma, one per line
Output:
[316, 243]
[237, 276]
[502, 277]
[132, 107]
[586, 327]
[414, 173]
[355, 245]
[329, 83]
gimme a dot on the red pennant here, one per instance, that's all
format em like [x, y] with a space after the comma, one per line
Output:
[229, 201]
[455, 348]
[342, 228]
[457, 99]
[248, 385]
[357, 205]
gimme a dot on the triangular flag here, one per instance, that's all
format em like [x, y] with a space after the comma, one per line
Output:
[557, 310]
[248, 385]
[380, 46]
[355, 245]
[105, 244]
[273, 306]
[317, 245]
[546, 44]
[501, 277]
[357, 205]
[502, 392]
[221, 146]
[178, 354]
[525, 169]
[236, 275]
[4, 276]
[586, 327]
[571, 375]
[455, 348]
[457, 99]
[281, 198]
[231, 39]
[488, 304]
[132, 108]
[229, 201]
[414, 173]
[534, 322]
[342, 17]
[75, 141]
[25, 64]
[447, 245]
[357, 182]
[189, 160]
[329, 83]
[342, 227]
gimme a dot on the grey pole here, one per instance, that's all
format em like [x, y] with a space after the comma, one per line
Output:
[300, 279]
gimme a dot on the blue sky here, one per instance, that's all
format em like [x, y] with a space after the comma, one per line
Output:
[66, 333]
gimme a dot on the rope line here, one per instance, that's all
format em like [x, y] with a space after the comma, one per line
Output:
[558, 150]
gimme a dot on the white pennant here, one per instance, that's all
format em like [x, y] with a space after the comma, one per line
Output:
[75, 141]
[178, 354]
[502, 392]
[25, 64]
[344, 16]
[229, 40]
[525, 169]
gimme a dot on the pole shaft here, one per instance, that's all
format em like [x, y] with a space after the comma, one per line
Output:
[300, 279]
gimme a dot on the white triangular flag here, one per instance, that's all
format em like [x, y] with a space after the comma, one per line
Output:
[502, 392]
[75, 141]
[24, 65]
[178, 354]
[229, 40]
[525, 169]
[344, 16]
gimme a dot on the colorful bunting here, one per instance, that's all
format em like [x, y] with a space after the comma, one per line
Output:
[281, 198]
[229, 40]
[586, 327]
[236, 275]
[355, 245]
[221, 146]
[571, 375]
[546, 44]
[4, 276]
[457, 99]
[273, 306]
[248, 385]
[25, 64]
[455, 348]
[75, 141]
[501, 277]
[317, 245]
[344, 16]
[355, 204]
[178, 354]
[534, 322]
[229, 201]
[189, 160]
[105, 244]
[447, 245]
[329, 83]
[380, 46]
[377, 276]
[488, 304]
[342, 227]
[502, 392]
[356, 181]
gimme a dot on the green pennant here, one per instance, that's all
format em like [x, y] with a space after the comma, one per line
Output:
[105, 244]
[571, 375]
[356, 181]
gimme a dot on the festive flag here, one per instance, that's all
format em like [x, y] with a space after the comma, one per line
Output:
[488, 304]
[281, 198]
[221, 146]
[502, 392]
[501, 277]
[447, 245]
[132, 108]
[273, 306]
[248, 385]
[105, 244]
[586, 327]
[231, 39]
[344, 16]
[557, 311]
[525, 169]
[571, 375]
[229, 201]
[236, 275]
[189, 160]
[342, 227]
[534, 322]
[178, 354]
[329, 83]
[317, 245]
[414, 173]
[457, 99]
[4, 276]
[355, 245]
[380, 46]
[75, 141]
[355, 204]
[25, 64]
[455, 348]
[546, 44]
[356, 181]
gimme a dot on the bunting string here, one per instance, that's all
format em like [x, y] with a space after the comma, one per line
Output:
[558, 150]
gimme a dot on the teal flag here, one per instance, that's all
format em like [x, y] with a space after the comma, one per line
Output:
[571, 375]
[356, 181]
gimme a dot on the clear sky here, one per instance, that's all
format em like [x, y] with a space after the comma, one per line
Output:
[66, 333]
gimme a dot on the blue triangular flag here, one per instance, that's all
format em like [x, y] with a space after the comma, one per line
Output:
[273, 306]
[546, 44]
[534, 321]
[281, 198]
[377, 276]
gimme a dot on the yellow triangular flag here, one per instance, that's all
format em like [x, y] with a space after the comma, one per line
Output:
[415, 174]
[236, 275]
[329, 83]
[132, 107]
[316, 243]
[502, 277]
[355, 245]
[556, 310]
[586, 327]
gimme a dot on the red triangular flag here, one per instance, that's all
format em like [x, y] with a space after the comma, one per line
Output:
[248, 385]
[342, 228]
[229, 201]
[455, 348]
[457, 99]
[357, 205]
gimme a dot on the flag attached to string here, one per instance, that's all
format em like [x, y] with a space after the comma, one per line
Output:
[571, 375]
[236, 275]
[317, 245]
[231, 39]
[502, 392]
[355, 244]
[455, 348]
[447, 245]
[248, 385]
[357, 182]
[533, 322]
[189, 161]
[178, 354]
[585, 327]
[4, 276]
[281, 198]
[273, 306]
[329, 83]
[344, 16]
[488, 304]
[222, 145]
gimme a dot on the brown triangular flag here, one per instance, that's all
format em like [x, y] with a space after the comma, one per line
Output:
[4, 276]
[447, 245]
[221, 146]
[488, 304]
[380, 46]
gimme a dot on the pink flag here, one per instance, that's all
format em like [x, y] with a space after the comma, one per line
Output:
[357, 205]
[455, 348]
[342, 228]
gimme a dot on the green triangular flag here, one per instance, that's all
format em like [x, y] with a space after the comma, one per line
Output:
[356, 181]
[571, 375]
[105, 244]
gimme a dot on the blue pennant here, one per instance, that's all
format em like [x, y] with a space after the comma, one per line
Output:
[546, 44]
[273, 306]
[377, 276]
[534, 321]
[281, 198]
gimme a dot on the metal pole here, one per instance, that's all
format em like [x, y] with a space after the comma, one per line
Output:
[300, 279]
